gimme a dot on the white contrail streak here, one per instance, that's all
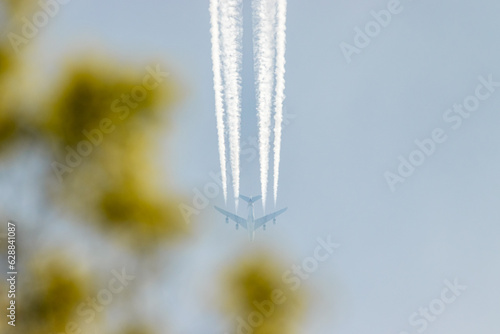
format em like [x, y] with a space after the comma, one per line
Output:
[219, 102]
[264, 66]
[280, 89]
[232, 31]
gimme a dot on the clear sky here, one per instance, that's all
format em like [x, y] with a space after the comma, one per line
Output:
[350, 124]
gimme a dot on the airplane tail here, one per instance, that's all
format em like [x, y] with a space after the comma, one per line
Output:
[250, 200]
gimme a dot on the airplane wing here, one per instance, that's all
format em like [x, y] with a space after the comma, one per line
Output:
[262, 220]
[235, 218]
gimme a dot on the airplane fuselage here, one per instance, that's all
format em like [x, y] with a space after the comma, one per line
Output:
[251, 222]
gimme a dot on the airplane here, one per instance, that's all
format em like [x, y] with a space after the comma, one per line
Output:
[251, 224]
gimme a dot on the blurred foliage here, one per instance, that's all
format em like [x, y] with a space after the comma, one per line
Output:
[116, 181]
[115, 186]
[20, 6]
[252, 280]
[52, 289]
[143, 219]
[8, 129]
[86, 96]
[6, 60]
[9, 121]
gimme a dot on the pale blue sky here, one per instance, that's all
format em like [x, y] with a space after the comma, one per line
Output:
[352, 122]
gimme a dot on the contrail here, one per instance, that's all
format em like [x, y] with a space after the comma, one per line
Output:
[219, 102]
[280, 89]
[232, 31]
[263, 63]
